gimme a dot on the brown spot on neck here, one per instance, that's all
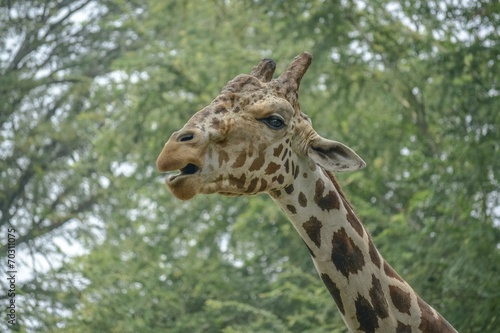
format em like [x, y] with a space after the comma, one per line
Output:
[334, 291]
[377, 298]
[354, 221]
[326, 201]
[374, 255]
[313, 230]
[390, 272]
[346, 255]
[335, 182]
[302, 199]
[400, 298]
[292, 209]
[431, 324]
[402, 328]
[366, 315]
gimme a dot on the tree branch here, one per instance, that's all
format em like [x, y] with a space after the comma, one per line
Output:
[41, 229]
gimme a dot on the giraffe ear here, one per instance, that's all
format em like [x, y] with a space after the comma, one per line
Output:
[334, 156]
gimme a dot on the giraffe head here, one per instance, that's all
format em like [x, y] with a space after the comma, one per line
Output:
[252, 138]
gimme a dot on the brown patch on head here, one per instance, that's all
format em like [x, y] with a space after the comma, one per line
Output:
[334, 291]
[377, 298]
[220, 109]
[431, 324]
[302, 199]
[201, 115]
[252, 186]
[244, 101]
[238, 182]
[366, 315]
[223, 157]
[313, 230]
[346, 255]
[215, 123]
[277, 150]
[258, 162]
[325, 202]
[240, 160]
[225, 97]
[289, 189]
[242, 83]
[400, 298]
[390, 272]
[402, 328]
[272, 168]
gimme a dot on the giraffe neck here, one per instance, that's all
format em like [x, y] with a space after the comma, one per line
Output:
[370, 295]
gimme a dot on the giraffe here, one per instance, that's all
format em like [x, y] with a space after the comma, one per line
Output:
[252, 139]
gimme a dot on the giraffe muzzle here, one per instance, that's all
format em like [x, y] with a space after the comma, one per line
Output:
[181, 160]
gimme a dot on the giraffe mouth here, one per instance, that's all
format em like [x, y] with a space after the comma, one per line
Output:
[189, 170]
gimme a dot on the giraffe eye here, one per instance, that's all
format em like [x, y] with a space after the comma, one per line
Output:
[274, 122]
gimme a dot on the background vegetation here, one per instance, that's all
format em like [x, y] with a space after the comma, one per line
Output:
[90, 90]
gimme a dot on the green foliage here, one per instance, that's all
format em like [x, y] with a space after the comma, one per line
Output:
[86, 105]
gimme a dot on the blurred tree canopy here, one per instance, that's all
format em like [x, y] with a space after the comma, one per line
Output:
[90, 90]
